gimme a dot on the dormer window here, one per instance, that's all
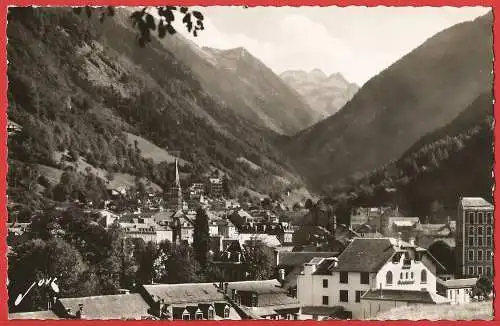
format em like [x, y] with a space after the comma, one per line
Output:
[199, 315]
[211, 313]
[226, 312]
[185, 315]
[423, 276]
[254, 300]
[388, 278]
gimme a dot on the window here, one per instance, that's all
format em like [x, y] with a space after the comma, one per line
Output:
[471, 218]
[471, 230]
[406, 275]
[480, 218]
[365, 278]
[388, 278]
[488, 271]
[401, 276]
[358, 296]
[412, 275]
[199, 315]
[475, 219]
[488, 230]
[479, 270]
[423, 276]
[480, 241]
[488, 218]
[344, 277]
[325, 283]
[325, 300]
[471, 241]
[480, 231]
[226, 312]
[471, 255]
[479, 255]
[471, 270]
[488, 241]
[254, 300]
[344, 296]
[185, 316]
[488, 255]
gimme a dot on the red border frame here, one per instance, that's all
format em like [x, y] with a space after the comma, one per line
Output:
[3, 129]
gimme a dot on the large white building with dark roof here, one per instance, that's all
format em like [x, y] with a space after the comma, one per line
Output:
[474, 237]
[391, 265]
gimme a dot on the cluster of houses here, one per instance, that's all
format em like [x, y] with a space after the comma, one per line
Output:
[382, 260]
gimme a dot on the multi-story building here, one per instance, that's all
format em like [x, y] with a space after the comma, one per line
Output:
[214, 188]
[398, 268]
[474, 237]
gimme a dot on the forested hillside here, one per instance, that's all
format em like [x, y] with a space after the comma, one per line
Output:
[453, 161]
[76, 86]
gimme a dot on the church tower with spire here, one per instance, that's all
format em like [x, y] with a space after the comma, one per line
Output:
[175, 195]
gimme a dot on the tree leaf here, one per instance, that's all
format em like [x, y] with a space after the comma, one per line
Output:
[184, 9]
[170, 29]
[162, 30]
[187, 18]
[197, 15]
[150, 21]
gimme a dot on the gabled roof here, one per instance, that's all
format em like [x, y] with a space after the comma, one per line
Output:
[365, 255]
[184, 293]
[109, 306]
[475, 202]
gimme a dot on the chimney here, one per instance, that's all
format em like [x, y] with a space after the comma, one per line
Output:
[399, 239]
[281, 276]
[79, 313]
[225, 287]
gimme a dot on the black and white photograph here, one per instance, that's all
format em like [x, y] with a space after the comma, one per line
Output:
[250, 163]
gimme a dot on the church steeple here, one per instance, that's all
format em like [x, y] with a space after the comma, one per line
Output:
[176, 191]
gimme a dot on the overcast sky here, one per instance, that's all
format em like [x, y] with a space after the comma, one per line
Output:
[358, 42]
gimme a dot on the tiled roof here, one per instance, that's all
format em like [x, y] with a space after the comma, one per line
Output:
[276, 299]
[475, 202]
[458, 283]
[267, 239]
[296, 258]
[365, 255]
[47, 314]
[259, 287]
[109, 306]
[184, 293]
[400, 295]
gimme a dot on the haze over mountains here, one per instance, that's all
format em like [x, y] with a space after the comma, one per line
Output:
[325, 94]
[423, 91]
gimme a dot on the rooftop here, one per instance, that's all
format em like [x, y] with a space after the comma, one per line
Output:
[458, 283]
[475, 202]
[365, 255]
[47, 314]
[109, 306]
[295, 258]
[185, 293]
[406, 296]
[259, 287]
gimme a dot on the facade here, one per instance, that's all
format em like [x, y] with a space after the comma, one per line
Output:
[457, 291]
[474, 237]
[214, 188]
[366, 265]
